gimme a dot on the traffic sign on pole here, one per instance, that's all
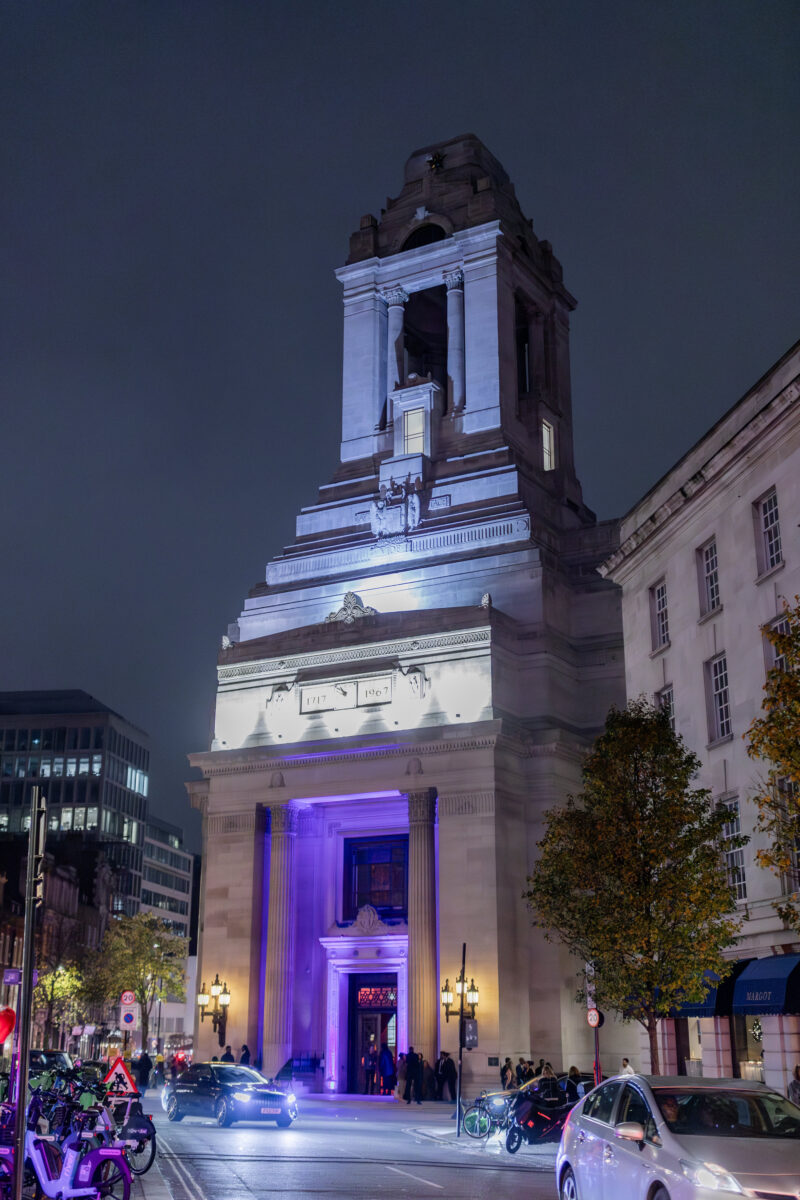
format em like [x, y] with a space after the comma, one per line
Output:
[127, 997]
[119, 1079]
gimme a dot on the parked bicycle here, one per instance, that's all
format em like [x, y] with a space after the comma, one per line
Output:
[487, 1114]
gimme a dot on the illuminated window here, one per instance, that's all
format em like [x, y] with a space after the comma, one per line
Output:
[548, 446]
[414, 431]
[376, 873]
[66, 818]
[91, 818]
[659, 615]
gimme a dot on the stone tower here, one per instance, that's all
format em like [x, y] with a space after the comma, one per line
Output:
[417, 677]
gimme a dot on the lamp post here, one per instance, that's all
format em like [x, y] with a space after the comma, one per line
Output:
[469, 994]
[219, 1012]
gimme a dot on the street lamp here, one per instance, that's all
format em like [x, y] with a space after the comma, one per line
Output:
[447, 999]
[467, 994]
[219, 1013]
[471, 994]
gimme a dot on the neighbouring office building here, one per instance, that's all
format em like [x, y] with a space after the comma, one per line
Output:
[168, 874]
[92, 766]
[416, 679]
[707, 559]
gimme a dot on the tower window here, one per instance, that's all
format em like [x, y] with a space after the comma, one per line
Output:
[414, 431]
[548, 446]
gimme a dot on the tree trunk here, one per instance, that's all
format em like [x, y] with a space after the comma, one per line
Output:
[145, 1025]
[652, 1034]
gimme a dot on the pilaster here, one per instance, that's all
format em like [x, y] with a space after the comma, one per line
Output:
[454, 282]
[279, 966]
[423, 1007]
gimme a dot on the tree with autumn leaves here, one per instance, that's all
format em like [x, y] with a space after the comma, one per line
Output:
[631, 877]
[774, 738]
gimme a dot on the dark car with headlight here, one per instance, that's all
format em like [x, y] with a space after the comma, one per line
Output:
[227, 1093]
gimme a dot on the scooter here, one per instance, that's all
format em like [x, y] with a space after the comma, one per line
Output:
[534, 1120]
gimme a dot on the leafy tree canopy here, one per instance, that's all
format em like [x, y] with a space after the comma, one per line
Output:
[631, 877]
[142, 954]
[774, 738]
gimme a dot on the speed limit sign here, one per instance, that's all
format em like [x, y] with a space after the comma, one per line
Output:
[595, 1018]
[127, 998]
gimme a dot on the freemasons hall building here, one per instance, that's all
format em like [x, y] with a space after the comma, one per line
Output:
[415, 680]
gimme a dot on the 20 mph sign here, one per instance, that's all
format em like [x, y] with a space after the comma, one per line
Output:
[595, 1018]
[127, 998]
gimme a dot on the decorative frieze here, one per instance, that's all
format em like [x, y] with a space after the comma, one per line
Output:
[467, 804]
[241, 822]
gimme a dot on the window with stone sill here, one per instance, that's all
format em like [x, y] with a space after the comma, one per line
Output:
[734, 858]
[708, 575]
[414, 431]
[718, 697]
[548, 446]
[659, 615]
[769, 552]
[665, 699]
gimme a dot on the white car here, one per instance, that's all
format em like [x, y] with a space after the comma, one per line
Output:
[647, 1137]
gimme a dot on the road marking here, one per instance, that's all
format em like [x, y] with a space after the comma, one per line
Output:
[418, 1178]
[183, 1176]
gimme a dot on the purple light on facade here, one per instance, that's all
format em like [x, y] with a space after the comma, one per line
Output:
[395, 795]
[263, 950]
[341, 753]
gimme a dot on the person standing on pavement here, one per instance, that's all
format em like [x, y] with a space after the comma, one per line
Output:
[228, 1055]
[370, 1067]
[401, 1075]
[449, 1076]
[244, 1056]
[144, 1066]
[627, 1069]
[428, 1081]
[386, 1071]
[413, 1076]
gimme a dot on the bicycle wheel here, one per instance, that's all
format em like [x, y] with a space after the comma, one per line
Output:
[141, 1157]
[475, 1122]
[112, 1181]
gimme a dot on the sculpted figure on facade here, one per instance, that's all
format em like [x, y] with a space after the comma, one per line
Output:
[396, 511]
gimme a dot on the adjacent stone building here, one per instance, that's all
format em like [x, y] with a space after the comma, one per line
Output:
[416, 679]
[707, 559]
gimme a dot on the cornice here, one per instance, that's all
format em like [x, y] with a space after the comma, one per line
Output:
[297, 662]
[710, 472]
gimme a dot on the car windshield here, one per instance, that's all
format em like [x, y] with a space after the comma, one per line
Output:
[42, 1060]
[728, 1113]
[237, 1075]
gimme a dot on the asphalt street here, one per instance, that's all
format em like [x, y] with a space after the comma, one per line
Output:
[352, 1149]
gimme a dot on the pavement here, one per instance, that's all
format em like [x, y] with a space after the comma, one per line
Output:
[340, 1149]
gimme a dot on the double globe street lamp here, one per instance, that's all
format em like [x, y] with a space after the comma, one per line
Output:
[219, 1013]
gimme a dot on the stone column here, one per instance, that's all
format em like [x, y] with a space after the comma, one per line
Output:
[395, 356]
[279, 967]
[423, 984]
[454, 282]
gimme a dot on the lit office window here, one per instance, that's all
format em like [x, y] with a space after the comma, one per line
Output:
[414, 431]
[548, 446]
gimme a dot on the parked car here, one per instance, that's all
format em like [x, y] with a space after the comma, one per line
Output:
[227, 1093]
[678, 1138]
[48, 1060]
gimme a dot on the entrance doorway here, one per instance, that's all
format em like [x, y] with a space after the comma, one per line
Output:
[372, 1023]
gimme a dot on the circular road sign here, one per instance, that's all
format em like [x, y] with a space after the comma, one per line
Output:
[127, 998]
[127, 1018]
[595, 1018]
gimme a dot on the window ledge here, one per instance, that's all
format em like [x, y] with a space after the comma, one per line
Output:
[712, 612]
[772, 571]
[660, 649]
[719, 741]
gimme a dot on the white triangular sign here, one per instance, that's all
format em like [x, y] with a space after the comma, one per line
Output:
[119, 1079]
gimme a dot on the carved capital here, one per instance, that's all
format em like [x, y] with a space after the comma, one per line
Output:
[454, 280]
[395, 296]
[283, 819]
[422, 807]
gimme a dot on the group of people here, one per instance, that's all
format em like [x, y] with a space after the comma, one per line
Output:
[410, 1078]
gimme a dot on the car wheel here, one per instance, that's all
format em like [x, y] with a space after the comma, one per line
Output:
[283, 1121]
[223, 1112]
[569, 1189]
[660, 1193]
[173, 1112]
[513, 1139]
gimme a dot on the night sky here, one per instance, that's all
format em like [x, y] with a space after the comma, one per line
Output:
[179, 182]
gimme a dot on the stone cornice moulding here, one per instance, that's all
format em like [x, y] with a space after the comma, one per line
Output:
[237, 762]
[292, 663]
[708, 474]
[197, 790]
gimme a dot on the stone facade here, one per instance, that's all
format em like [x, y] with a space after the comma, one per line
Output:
[706, 560]
[422, 668]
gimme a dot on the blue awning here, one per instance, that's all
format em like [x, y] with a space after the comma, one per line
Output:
[707, 1007]
[769, 985]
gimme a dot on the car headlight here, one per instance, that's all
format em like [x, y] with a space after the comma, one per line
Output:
[242, 1096]
[711, 1176]
[292, 1098]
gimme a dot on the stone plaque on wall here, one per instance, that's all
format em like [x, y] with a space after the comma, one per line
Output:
[330, 697]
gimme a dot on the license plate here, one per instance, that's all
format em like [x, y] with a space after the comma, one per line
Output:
[266, 1111]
